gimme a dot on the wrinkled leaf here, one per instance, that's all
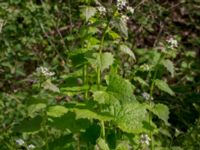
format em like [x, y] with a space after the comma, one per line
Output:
[169, 66]
[162, 111]
[56, 111]
[88, 12]
[128, 51]
[102, 144]
[131, 118]
[48, 85]
[162, 85]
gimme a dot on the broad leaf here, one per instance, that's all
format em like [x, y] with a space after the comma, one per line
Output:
[131, 118]
[88, 12]
[128, 51]
[56, 111]
[162, 112]
[102, 97]
[102, 61]
[29, 125]
[164, 87]
[120, 88]
[48, 85]
[102, 144]
[169, 66]
[89, 114]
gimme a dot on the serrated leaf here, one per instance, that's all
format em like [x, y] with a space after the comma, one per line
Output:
[102, 97]
[162, 111]
[89, 114]
[102, 144]
[48, 85]
[35, 108]
[120, 88]
[122, 146]
[140, 80]
[164, 87]
[88, 12]
[169, 66]
[103, 61]
[128, 51]
[56, 111]
[131, 118]
[123, 27]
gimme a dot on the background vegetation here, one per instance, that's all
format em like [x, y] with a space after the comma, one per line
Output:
[88, 74]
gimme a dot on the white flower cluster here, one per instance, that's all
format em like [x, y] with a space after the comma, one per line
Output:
[102, 10]
[45, 72]
[124, 18]
[146, 96]
[144, 139]
[121, 4]
[31, 146]
[21, 142]
[173, 43]
[130, 9]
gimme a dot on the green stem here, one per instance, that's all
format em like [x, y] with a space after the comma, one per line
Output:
[151, 96]
[85, 80]
[46, 130]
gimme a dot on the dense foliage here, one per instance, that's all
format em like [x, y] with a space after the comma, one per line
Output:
[103, 75]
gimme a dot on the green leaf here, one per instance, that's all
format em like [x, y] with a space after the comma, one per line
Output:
[140, 80]
[89, 114]
[102, 97]
[120, 88]
[56, 111]
[131, 118]
[123, 146]
[128, 51]
[102, 144]
[169, 66]
[162, 111]
[48, 85]
[29, 125]
[123, 27]
[164, 87]
[88, 12]
[103, 61]
[36, 108]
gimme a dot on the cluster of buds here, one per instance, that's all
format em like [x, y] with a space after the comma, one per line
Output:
[146, 96]
[144, 139]
[102, 10]
[121, 4]
[124, 18]
[21, 142]
[45, 72]
[173, 43]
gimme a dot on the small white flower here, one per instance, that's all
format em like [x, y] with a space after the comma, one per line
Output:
[20, 142]
[144, 139]
[146, 96]
[124, 18]
[121, 4]
[102, 10]
[31, 146]
[44, 71]
[130, 9]
[173, 43]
